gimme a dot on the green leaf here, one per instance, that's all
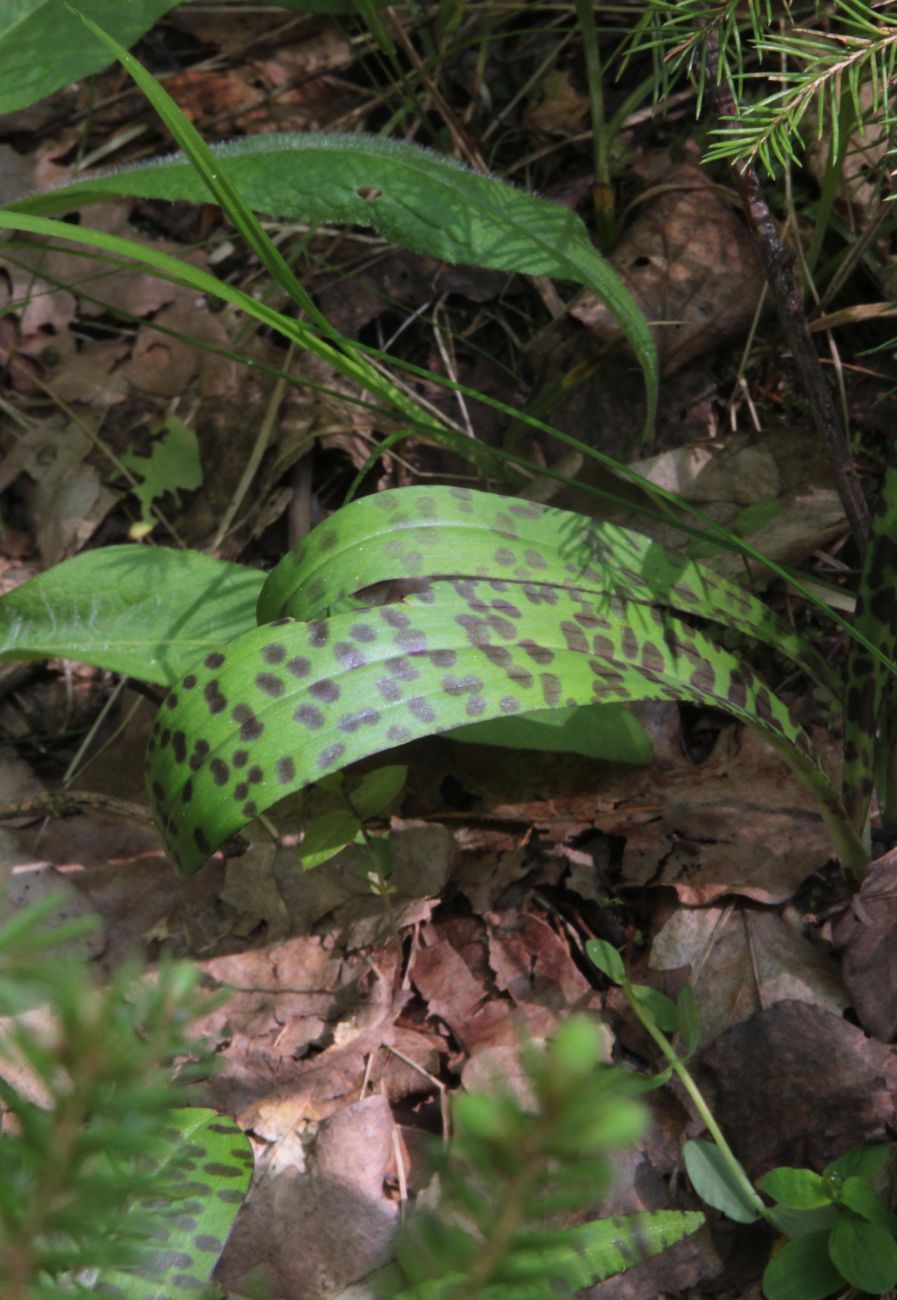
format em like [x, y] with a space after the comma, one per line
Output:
[608, 960]
[604, 731]
[173, 465]
[688, 1020]
[798, 1223]
[861, 1161]
[454, 532]
[591, 1252]
[864, 1253]
[417, 199]
[211, 1159]
[859, 1195]
[660, 1008]
[144, 611]
[800, 1189]
[376, 790]
[43, 45]
[326, 836]
[802, 1270]
[715, 1182]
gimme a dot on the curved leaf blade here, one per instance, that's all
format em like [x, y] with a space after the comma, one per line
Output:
[290, 702]
[415, 198]
[415, 532]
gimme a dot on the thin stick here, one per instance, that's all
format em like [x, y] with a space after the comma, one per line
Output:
[779, 265]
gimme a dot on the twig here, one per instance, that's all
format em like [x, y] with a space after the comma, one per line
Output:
[778, 262]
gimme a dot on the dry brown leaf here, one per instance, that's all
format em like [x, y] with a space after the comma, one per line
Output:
[742, 960]
[797, 1085]
[309, 1234]
[692, 266]
[867, 934]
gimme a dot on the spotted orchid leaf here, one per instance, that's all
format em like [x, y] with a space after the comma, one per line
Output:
[208, 1160]
[291, 701]
[868, 681]
[412, 533]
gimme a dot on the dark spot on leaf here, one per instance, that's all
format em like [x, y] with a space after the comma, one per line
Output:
[250, 810]
[535, 560]
[575, 637]
[286, 770]
[158, 792]
[504, 557]
[398, 734]
[254, 775]
[199, 837]
[325, 690]
[395, 618]
[475, 707]
[309, 716]
[389, 689]
[538, 653]
[250, 727]
[274, 653]
[299, 666]
[332, 754]
[443, 658]
[629, 643]
[411, 641]
[422, 709]
[211, 1245]
[497, 654]
[270, 684]
[200, 753]
[189, 682]
[402, 668]
[704, 678]
[349, 655]
[362, 632]
[220, 771]
[318, 634]
[240, 758]
[214, 660]
[214, 698]
[179, 745]
[165, 738]
[187, 792]
[551, 689]
[603, 645]
[508, 704]
[520, 676]
[241, 791]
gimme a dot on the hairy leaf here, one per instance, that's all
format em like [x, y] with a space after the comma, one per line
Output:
[415, 198]
[145, 611]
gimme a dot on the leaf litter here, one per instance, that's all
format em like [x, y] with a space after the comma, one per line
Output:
[347, 1023]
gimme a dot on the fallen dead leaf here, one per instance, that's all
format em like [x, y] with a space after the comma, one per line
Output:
[867, 935]
[798, 1085]
[692, 266]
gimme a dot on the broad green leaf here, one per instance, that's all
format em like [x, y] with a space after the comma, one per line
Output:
[376, 790]
[605, 731]
[290, 702]
[44, 46]
[802, 1270]
[659, 1007]
[859, 1195]
[417, 199]
[326, 836]
[688, 1020]
[860, 1161]
[140, 610]
[211, 1161]
[798, 1223]
[865, 1254]
[799, 1189]
[715, 1183]
[867, 679]
[608, 960]
[410, 533]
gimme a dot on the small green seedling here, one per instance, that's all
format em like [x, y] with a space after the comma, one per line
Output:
[839, 1233]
